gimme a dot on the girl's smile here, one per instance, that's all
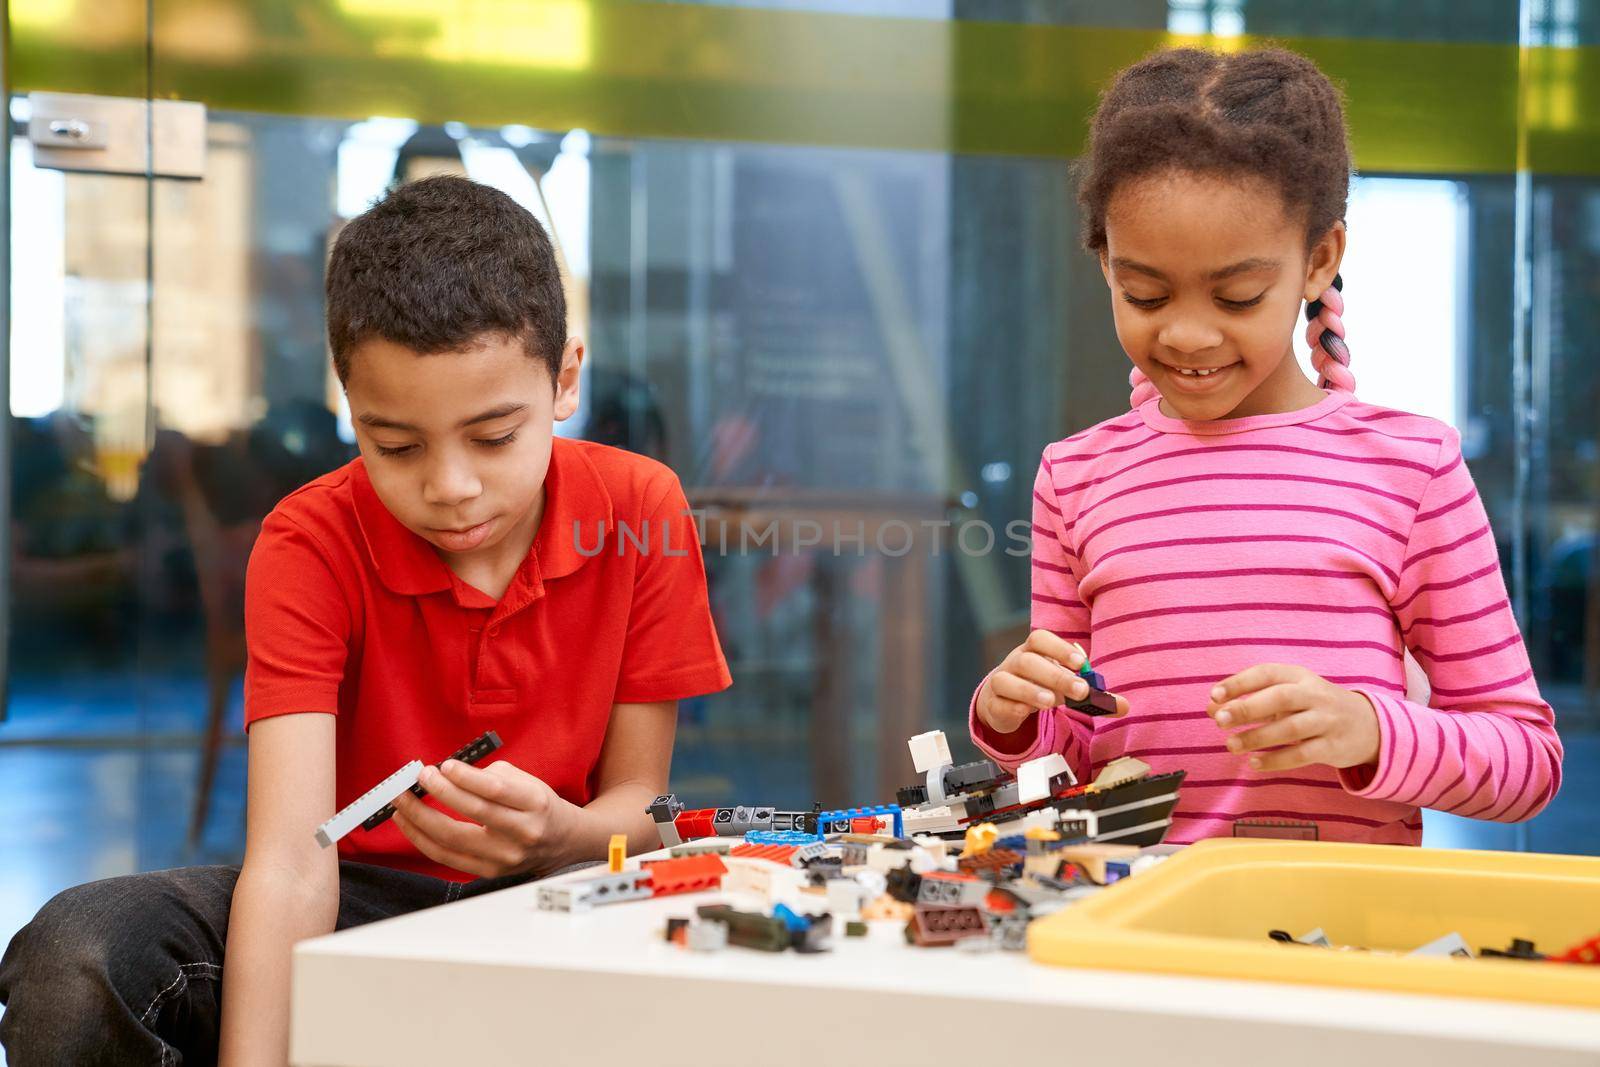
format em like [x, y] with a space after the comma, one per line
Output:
[1194, 380]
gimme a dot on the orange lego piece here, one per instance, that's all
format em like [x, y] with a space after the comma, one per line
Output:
[778, 854]
[616, 852]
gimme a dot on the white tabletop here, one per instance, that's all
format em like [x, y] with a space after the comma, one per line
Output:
[493, 980]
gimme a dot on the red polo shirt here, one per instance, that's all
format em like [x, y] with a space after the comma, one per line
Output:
[349, 612]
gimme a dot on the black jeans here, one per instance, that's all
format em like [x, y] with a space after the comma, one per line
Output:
[129, 970]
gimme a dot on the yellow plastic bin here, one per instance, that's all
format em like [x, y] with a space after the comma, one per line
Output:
[1207, 910]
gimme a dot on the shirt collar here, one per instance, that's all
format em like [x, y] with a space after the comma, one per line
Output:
[577, 509]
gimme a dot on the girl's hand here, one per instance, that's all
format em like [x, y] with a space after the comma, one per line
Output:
[517, 822]
[1303, 716]
[1038, 674]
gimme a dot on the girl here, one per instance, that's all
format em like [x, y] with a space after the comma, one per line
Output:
[1247, 554]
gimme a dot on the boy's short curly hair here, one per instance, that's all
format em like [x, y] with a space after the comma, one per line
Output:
[1267, 113]
[439, 263]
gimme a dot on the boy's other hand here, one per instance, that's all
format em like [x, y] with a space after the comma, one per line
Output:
[1296, 713]
[1039, 673]
[517, 822]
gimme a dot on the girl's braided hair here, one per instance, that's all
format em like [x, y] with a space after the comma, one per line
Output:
[1267, 113]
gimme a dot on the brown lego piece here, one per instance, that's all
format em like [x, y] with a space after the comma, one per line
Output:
[1276, 830]
[945, 926]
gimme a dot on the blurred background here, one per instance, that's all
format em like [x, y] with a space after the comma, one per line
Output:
[825, 256]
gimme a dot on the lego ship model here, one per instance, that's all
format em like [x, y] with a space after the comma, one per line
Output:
[1124, 805]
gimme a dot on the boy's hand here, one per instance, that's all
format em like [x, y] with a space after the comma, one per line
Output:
[1038, 674]
[1302, 715]
[517, 821]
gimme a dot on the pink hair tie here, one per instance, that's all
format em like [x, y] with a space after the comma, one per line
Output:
[1330, 356]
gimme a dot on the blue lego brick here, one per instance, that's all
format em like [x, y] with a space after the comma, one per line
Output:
[796, 923]
[826, 818]
[779, 837]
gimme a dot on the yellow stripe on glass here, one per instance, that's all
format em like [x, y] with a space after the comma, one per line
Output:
[707, 72]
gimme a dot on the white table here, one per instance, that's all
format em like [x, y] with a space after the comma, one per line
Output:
[492, 980]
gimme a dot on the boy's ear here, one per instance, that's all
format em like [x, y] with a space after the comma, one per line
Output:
[567, 380]
[1326, 255]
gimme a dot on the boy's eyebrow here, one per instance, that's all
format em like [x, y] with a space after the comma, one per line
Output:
[500, 411]
[1244, 266]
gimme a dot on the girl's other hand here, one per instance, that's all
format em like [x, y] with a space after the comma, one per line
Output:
[1039, 673]
[1301, 716]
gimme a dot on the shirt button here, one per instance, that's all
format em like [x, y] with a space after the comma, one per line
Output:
[494, 631]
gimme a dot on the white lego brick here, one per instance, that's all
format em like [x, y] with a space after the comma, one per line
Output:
[1047, 819]
[929, 750]
[705, 936]
[949, 892]
[1033, 777]
[557, 898]
[845, 896]
[746, 875]
[800, 856]
[1144, 863]
[872, 883]
[888, 859]
[1451, 944]
[582, 894]
[762, 879]
[931, 821]
[367, 804]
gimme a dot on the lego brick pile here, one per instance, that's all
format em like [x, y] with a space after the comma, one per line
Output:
[968, 856]
[1455, 946]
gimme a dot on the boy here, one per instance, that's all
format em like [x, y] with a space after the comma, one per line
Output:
[445, 583]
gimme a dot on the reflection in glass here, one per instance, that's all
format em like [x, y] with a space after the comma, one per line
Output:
[851, 356]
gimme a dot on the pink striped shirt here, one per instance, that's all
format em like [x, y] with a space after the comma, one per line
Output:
[1179, 553]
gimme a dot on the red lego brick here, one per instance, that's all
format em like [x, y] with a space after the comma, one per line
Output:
[865, 825]
[999, 902]
[687, 875]
[778, 854]
[697, 823]
[1583, 952]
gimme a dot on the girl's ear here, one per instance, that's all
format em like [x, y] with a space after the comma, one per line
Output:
[1323, 264]
[1105, 267]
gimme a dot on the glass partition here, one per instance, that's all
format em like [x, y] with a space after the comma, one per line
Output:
[825, 256]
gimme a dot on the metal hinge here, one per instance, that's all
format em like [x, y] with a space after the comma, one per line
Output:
[118, 135]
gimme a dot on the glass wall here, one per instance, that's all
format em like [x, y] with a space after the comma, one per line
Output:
[826, 259]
